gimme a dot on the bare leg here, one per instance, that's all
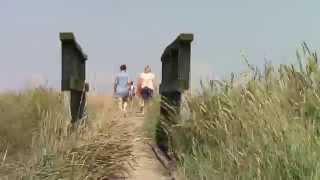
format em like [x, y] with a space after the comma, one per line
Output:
[120, 103]
[131, 104]
[125, 104]
[142, 105]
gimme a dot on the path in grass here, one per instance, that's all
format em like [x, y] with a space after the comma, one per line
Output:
[148, 167]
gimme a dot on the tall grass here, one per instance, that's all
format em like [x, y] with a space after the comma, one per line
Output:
[265, 128]
[36, 143]
[151, 118]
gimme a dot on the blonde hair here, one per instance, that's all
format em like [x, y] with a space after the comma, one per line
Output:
[147, 69]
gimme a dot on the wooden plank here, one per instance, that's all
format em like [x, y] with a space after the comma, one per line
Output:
[67, 36]
[185, 37]
[169, 165]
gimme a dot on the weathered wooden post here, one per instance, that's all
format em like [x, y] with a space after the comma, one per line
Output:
[74, 74]
[175, 80]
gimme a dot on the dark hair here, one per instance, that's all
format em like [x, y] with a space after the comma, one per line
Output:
[123, 67]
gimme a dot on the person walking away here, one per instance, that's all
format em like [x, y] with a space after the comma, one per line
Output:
[121, 88]
[146, 87]
[132, 92]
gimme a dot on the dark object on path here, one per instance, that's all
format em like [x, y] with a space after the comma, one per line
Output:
[175, 81]
[74, 74]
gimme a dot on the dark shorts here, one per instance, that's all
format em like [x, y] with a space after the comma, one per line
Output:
[124, 98]
[146, 93]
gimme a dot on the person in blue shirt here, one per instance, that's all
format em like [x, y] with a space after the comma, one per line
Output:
[121, 88]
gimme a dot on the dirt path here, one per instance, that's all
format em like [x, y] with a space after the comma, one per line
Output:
[148, 167]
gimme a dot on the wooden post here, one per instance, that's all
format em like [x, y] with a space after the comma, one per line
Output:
[175, 81]
[74, 74]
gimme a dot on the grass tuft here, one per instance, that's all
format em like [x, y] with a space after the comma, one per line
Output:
[265, 127]
[36, 142]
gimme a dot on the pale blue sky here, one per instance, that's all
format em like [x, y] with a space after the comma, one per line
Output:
[135, 32]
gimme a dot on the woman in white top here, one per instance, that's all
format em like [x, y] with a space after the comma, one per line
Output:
[146, 86]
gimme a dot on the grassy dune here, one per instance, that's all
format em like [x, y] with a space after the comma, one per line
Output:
[266, 128]
[35, 142]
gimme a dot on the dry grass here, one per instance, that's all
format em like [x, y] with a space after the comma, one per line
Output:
[36, 144]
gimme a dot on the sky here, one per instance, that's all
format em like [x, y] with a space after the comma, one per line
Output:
[113, 32]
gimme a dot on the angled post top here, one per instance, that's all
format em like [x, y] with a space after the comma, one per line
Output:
[68, 37]
[183, 38]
